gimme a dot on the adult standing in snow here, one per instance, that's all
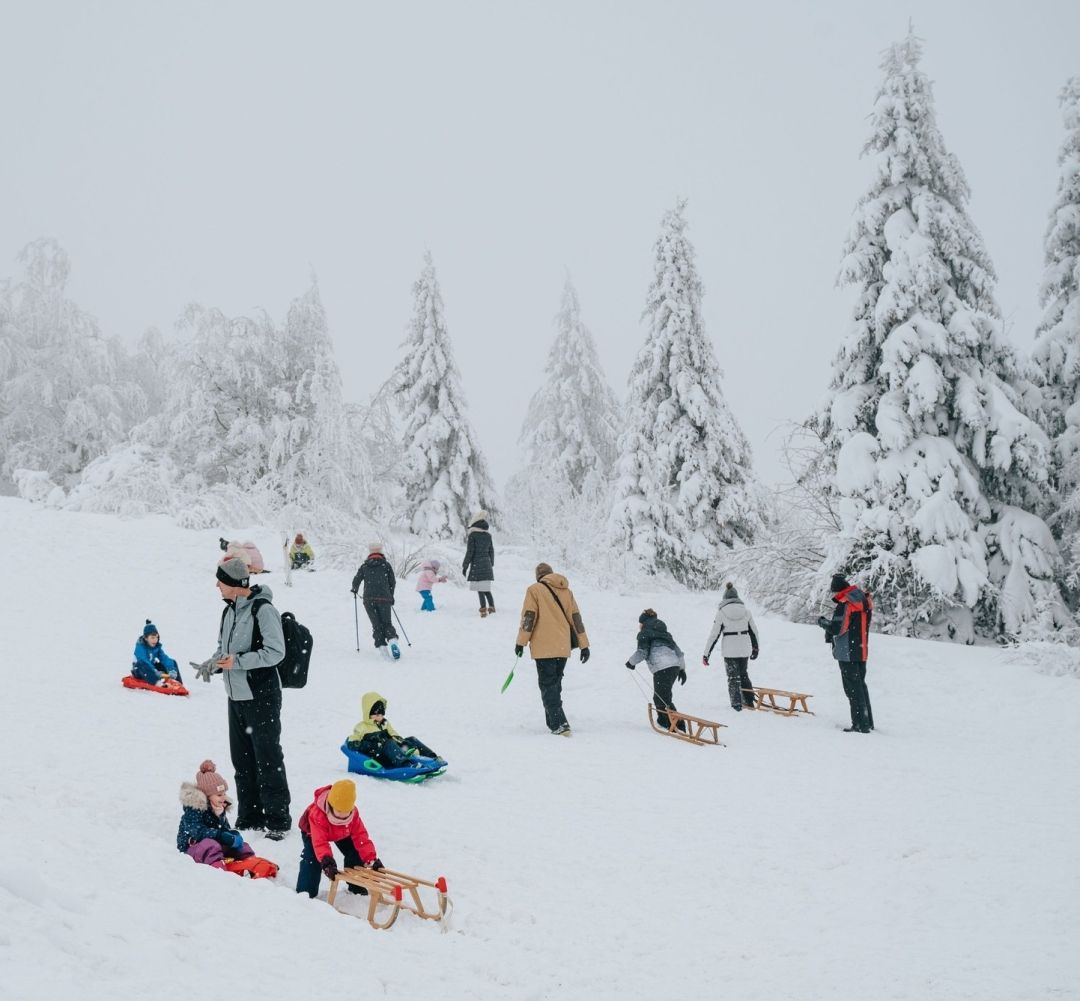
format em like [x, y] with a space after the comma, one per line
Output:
[379, 582]
[250, 646]
[657, 647]
[849, 631]
[551, 625]
[734, 627]
[479, 566]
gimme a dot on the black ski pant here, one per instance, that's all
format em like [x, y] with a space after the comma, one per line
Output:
[310, 873]
[853, 675]
[382, 623]
[549, 675]
[486, 598]
[737, 680]
[391, 753]
[663, 682]
[262, 789]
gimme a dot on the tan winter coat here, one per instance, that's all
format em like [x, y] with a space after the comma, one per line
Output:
[546, 622]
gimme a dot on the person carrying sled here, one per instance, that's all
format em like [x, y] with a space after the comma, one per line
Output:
[250, 646]
[734, 628]
[332, 819]
[205, 832]
[479, 565]
[375, 737]
[551, 625]
[429, 577]
[377, 576]
[300, 553]
[152, 664]
[657, 647]
[848, 632]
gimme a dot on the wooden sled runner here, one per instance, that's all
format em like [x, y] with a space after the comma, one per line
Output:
[765, 698]
[695, 730]
[388, 888]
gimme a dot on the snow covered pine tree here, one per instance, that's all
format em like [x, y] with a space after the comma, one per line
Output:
[686, 489]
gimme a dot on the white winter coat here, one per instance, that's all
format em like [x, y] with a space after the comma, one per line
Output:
[733, 626]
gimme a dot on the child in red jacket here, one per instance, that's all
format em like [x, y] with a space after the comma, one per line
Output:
[333, 819]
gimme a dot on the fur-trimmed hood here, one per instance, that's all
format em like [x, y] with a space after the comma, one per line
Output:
[192, 797]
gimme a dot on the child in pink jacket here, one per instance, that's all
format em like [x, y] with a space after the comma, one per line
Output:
[429, 576]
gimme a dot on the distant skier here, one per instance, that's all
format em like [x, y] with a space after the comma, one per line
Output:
[425, 584]
[657, 647]
[301, 555]
[152, 664]
[479, 566]
[377, 576]
[849, 633]
[734, 627]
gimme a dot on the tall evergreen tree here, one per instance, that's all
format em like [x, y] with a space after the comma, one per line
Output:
[445, 476]
[1057, 348]
[937, 466]
[686, 489]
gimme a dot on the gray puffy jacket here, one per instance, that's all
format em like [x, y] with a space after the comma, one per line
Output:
[252, 669]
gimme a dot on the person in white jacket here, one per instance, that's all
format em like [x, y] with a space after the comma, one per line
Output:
[734, 628]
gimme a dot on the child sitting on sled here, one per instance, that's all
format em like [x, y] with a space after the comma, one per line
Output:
[205, 832]
[375, 737]
[152, 664]
[332, 819]
[429, 576]
[300, 553]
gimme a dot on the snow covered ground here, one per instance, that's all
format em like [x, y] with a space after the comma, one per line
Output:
[934, 858]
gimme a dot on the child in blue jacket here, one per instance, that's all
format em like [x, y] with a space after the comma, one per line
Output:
[152, 664]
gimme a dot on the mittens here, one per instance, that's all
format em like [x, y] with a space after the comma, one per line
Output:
[584, 655]
[630, 666]
[681, 676]
[518, 651]
[329, 868]
[374, 864]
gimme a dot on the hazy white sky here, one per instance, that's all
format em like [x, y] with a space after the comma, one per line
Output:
[223, 152]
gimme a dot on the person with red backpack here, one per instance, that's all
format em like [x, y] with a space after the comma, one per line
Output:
[848, 631]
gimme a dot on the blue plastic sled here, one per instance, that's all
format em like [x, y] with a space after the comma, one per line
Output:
[361, 764]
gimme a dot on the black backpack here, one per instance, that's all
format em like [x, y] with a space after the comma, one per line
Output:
[293, 669]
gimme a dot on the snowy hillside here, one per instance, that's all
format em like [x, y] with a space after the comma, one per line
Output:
[934, 858]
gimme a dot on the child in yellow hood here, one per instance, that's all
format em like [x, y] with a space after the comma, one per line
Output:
[375, 737]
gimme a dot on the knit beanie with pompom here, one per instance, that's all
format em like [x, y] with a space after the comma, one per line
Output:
[208, 780]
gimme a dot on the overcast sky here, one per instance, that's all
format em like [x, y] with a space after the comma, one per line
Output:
[224, 152]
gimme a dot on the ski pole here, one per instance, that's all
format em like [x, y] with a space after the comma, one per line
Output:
[356, 615]
[400, 626]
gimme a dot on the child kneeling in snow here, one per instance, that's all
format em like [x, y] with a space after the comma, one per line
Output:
[333, 820]
[429, 577]
[375, 737]
[205, 832]
[152, 664]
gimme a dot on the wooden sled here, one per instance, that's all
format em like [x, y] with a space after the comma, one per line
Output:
[388, 888]
[697, 731]
[765, 699]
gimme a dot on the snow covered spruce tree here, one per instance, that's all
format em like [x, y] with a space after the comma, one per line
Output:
[938, 469]
[1056, 356]
[561, 495]
[686, 490]
[445, 478]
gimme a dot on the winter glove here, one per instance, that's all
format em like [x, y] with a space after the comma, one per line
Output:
[754, 653]
[630, 666]
[823, 622]
[704, 661]
[329, 868]
[352, 591]
[205, 670]
[681, 676]
[232, 840]
[518, 651]
[584, 654]
[374, 864]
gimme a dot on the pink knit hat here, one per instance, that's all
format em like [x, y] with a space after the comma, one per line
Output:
[208, 780]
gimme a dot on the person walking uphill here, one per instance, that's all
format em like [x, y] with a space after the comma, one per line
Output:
[734, 627]
[657, 647]
[250, 646]
[377, 576]
[479, 566]
[551, 625]
[849, 633]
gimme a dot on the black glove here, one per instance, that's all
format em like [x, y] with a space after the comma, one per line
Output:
[704, 661]
[630, 666]
[352, 591]
[518, 651]
[823, 622]
[754, 653]
[375, 864]
[681, 676]
[584, 655]
[329, 868]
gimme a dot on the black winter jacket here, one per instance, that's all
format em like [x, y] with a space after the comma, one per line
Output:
[479, 555]
[378, 579]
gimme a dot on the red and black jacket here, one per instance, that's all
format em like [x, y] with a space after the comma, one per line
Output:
[849, 631]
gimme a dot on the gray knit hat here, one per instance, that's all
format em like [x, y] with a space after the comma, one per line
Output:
[233, 571]
[730, 592]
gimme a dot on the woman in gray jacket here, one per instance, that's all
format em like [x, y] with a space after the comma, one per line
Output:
[657, 647]
[734, 627]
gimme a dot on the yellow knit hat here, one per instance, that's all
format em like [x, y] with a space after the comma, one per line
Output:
[342, 797]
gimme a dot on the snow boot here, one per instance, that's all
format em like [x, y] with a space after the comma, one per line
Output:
[562, 730]
[276, 835]
[395, 650]
[483, 612]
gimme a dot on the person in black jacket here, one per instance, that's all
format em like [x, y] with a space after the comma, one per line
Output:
[377, 576]
[848, 631]
[479, 565]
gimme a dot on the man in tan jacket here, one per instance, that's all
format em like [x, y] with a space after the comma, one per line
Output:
[551, 625]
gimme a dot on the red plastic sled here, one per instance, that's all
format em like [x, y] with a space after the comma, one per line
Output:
[252, 866]
[170, 687]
